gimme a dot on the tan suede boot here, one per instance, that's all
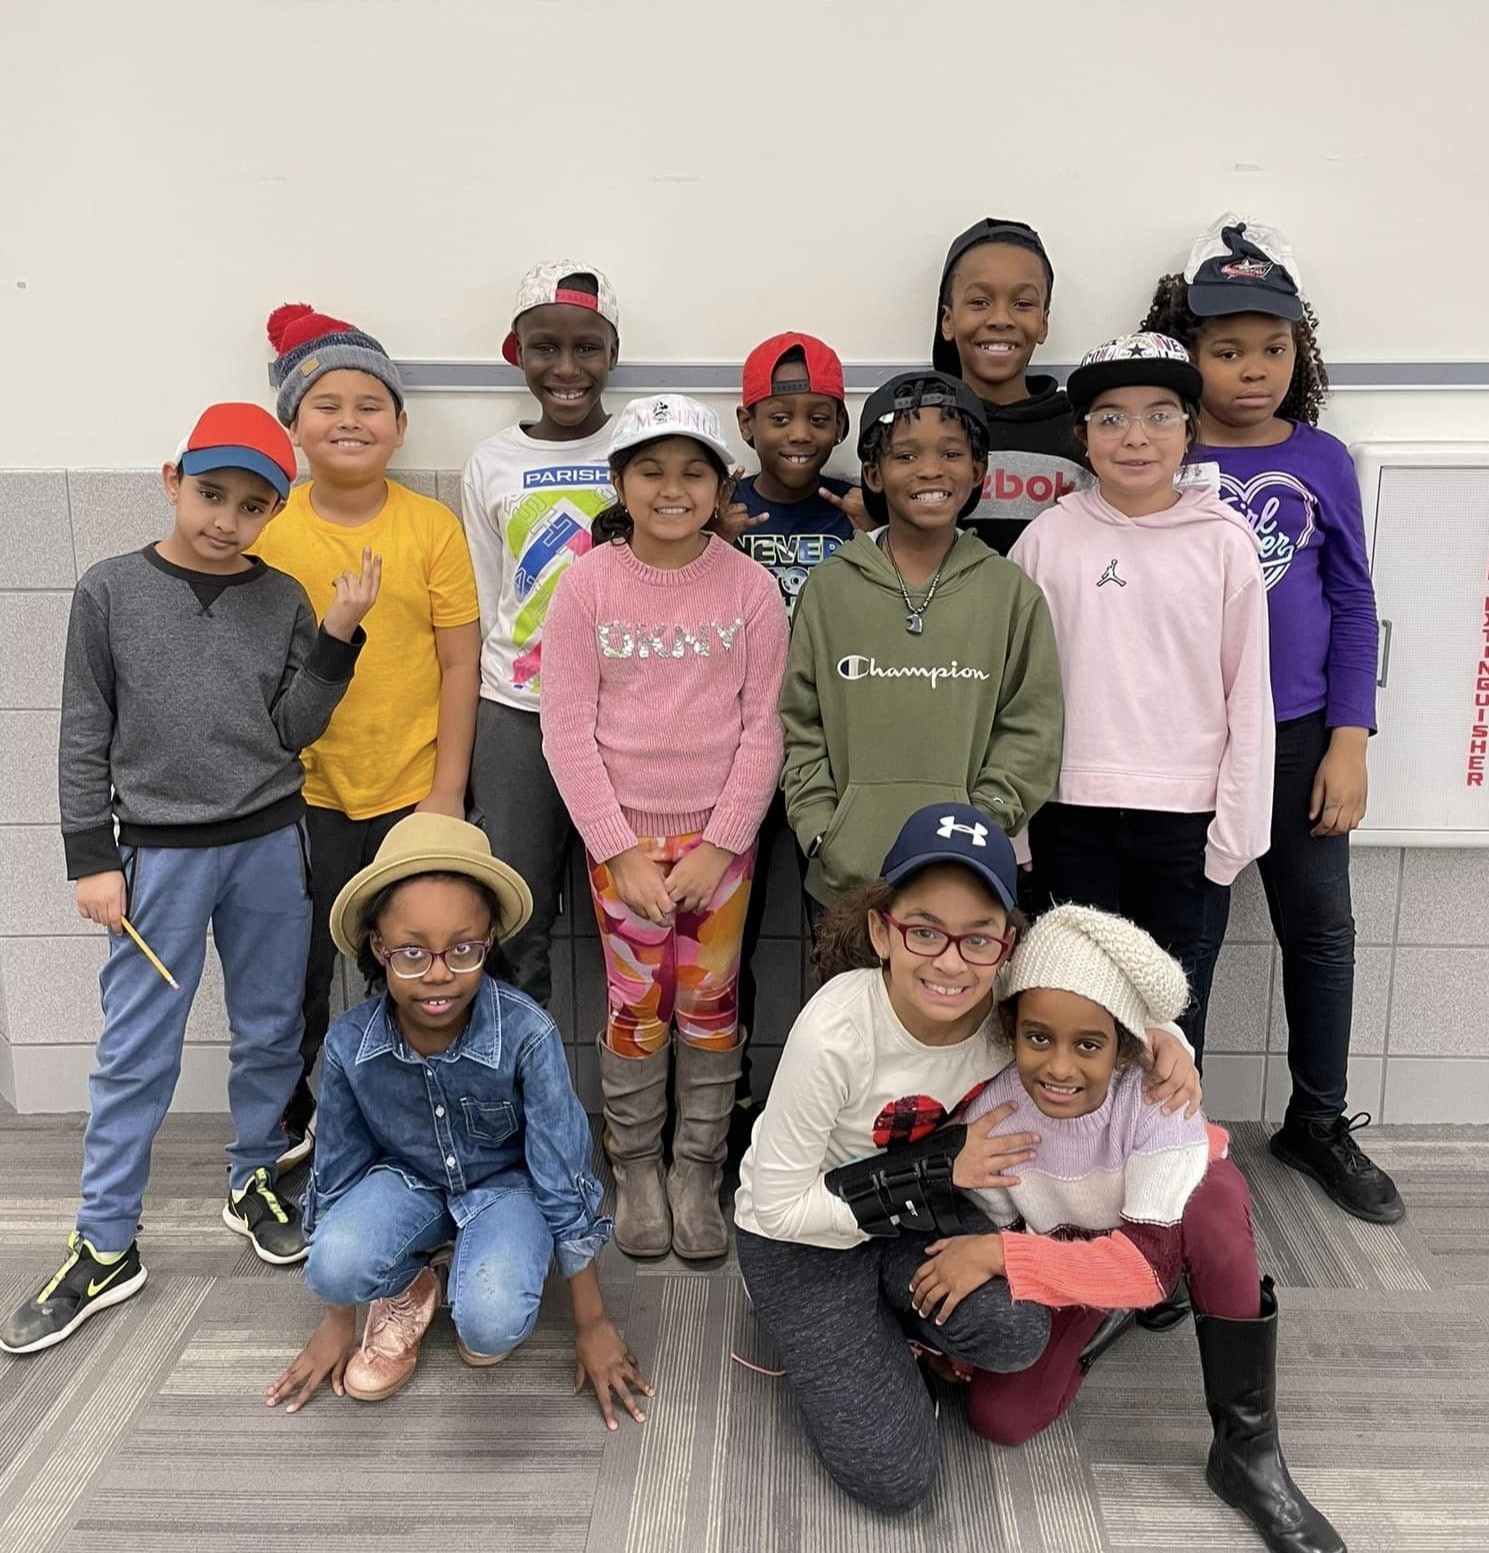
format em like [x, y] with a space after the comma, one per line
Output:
[705, 1090]
[635, 1091]
[389, 1351]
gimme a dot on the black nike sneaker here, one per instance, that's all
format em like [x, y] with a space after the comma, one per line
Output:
[272, 1224]
[299, 1129]
[80, 1288]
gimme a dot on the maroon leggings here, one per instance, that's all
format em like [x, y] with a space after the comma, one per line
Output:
[1218, 1253]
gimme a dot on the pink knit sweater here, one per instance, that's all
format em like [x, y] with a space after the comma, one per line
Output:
[659, 696]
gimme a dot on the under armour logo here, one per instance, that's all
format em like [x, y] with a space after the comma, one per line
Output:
[1110, 575]
[949, 828]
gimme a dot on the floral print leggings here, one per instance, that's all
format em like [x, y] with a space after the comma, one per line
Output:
[686, 973]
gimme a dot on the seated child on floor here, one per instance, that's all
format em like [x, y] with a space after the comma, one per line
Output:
[453, 1157]
[1120, 1197]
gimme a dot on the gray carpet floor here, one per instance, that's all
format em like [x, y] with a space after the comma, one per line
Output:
[148, 1432]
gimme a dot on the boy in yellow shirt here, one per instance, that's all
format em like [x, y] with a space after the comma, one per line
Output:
[401, 738]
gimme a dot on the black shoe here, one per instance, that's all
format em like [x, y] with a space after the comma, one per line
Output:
[271, 1224]
[1327, 1152]
[1169, 1313]
[1245, 1468]
[78, 1289]
[1113, 1325]
[299, 1128]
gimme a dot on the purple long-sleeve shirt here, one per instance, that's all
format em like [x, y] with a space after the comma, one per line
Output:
[1302, 500]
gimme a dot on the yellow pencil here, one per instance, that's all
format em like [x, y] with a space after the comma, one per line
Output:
[149, 954]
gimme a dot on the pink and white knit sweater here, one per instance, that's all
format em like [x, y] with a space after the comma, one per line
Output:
[659, 696]
[1095, 1217]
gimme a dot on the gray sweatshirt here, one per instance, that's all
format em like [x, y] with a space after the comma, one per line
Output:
[186, 700]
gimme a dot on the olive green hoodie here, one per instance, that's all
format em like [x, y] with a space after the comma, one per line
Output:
[880, 722]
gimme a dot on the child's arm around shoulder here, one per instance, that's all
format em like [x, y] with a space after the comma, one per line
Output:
[559, 1151]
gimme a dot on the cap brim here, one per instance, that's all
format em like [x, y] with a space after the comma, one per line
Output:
[513, 897]
[913, 865]
[202, 461]
[1216, 300]
[1087, 383]
[509, 348]
[654, 434]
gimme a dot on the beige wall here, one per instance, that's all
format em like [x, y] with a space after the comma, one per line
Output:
[172, 171]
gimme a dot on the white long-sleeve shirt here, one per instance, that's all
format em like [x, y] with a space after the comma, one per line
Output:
[848, 1064]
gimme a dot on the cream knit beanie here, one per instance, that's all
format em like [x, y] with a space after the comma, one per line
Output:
[1102, 957]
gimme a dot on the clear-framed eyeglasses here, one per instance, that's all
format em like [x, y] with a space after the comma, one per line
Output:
[1162, 422]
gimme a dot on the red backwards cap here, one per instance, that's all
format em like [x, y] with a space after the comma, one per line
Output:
[824, 372]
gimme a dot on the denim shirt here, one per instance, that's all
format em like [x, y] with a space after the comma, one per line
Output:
[494, 1111]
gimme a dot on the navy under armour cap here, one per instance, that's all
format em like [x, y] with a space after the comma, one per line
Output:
[955, 833]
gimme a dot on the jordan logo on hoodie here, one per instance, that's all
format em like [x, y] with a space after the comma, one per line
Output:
[1110, 575]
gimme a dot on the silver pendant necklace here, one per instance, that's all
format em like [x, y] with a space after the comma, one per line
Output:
[915, 613]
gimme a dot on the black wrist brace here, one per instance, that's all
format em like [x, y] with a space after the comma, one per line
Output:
[908, 1188]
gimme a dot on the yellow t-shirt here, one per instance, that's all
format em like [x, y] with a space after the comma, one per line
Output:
[378, 753]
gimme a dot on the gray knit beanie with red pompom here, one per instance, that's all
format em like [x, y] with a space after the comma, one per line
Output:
[308, 344]
[1103, 957]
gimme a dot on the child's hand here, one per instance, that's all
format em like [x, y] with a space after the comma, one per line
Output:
[850, 504]
[1173, 1079]
[603, 1360]
[952, 1270]
[101, 898]
[442, 803]
[641, 885]
[694, 878]
[325, 1355]
[984, 1159]
[736, 519]
[354, 597]
[1340, 785]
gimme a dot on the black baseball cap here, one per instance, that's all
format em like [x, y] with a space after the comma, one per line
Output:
[955, 833]
[1230, 271]
[991, 229]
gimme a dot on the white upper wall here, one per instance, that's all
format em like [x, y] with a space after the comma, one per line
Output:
[176, 168]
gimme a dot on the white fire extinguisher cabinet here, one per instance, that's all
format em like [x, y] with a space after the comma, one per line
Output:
[1426, 510]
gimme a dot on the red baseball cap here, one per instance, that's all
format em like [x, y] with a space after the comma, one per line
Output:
[240, 436]
[824, 372]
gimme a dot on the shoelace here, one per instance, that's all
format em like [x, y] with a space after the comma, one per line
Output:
[1351, 1153]
[400, 1312]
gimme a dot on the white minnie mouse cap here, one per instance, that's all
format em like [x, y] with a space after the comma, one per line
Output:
[669, 415]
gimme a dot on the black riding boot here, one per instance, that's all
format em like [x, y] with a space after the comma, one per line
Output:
[1246, 1469]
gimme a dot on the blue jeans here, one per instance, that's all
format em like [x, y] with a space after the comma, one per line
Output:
[372, 1242]
[1306, 879]
[255, 896]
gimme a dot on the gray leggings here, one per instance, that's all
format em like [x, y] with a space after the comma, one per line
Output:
[840, 1321]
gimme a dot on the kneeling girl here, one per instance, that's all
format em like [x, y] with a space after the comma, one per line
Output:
[453, 1156]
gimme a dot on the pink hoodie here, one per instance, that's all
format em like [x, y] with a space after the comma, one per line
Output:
[1161, 625]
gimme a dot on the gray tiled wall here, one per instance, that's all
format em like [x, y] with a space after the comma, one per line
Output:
[1421, 1049]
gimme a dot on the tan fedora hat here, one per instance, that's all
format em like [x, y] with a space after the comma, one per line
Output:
[430, 844]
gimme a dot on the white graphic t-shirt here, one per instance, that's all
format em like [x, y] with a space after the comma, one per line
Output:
[528, 506]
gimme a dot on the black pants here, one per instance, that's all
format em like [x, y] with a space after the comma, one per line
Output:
[1306, 879]
[339, 848]
[1148, 865]
[772, 828]
[518, 805]
[840, 1320]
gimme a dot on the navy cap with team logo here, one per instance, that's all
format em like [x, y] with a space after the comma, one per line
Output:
[1241, 267]
[955, 833]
